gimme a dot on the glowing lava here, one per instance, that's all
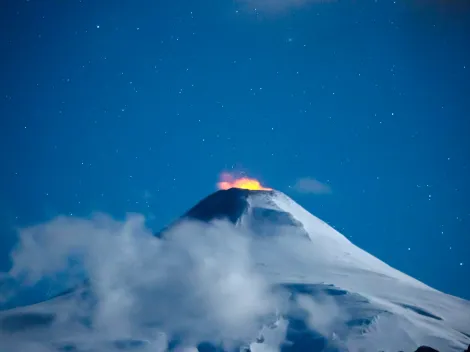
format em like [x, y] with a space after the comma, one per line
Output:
[228, 181]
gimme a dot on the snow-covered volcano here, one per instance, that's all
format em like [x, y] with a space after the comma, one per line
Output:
[379, 299]
[241, 269]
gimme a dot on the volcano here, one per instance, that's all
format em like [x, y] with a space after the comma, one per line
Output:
[299, 285]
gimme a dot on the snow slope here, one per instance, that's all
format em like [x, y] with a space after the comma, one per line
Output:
[427, 315]
[241, 268]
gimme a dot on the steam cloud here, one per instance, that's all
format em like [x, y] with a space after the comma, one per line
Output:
[311, 185]
[199, 283]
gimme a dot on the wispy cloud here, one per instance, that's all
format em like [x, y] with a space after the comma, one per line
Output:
[279, 5]
[311, 185]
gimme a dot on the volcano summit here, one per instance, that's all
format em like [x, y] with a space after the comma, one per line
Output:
[242, 269]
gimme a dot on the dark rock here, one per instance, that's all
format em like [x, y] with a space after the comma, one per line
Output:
[426, 349]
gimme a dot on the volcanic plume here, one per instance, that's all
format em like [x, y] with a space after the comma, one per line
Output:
[228, 181]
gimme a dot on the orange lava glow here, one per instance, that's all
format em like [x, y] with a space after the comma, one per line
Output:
[228, 181]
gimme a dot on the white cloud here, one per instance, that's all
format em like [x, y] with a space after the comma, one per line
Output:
[199, 283]
[323, 314]
[311, 185]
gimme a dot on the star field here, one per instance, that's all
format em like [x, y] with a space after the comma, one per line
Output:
[138, 107]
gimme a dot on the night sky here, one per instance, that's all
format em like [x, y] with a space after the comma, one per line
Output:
[358, 110]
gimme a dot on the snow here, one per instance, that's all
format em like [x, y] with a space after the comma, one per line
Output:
[241, 268]
[339, 262]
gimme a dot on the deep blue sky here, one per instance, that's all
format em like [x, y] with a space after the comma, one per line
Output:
[121, 106]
